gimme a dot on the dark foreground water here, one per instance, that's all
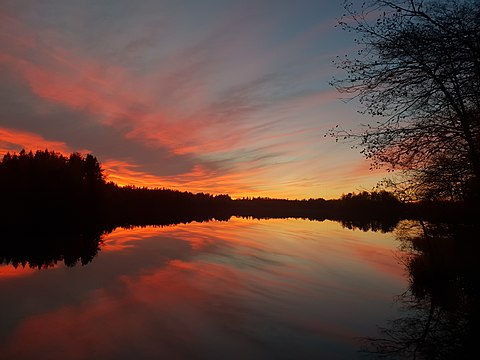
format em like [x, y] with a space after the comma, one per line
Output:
[242, 289]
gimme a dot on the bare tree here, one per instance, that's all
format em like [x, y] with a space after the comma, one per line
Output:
[418, 72]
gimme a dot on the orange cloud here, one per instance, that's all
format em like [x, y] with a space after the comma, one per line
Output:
[12, 140]
[199, 179]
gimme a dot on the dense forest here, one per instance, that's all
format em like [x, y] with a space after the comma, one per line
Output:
[46, 187]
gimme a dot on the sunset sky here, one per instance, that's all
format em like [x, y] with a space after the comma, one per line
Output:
[212, 96]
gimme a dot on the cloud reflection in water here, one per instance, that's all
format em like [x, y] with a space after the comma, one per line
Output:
[270, 289]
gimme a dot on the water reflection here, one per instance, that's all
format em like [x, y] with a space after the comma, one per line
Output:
[385, 225]
[440, 308]
[43, 247]
[243, 289]
[46, 246]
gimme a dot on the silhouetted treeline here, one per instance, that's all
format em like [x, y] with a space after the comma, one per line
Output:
[377, 210]
[47, 187]
[143, 206]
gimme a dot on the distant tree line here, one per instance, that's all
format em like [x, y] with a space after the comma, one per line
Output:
[47, 187]
[131, 205]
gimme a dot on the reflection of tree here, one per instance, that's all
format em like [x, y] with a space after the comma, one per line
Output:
[383, 225]
[42, 249]
[441, 305]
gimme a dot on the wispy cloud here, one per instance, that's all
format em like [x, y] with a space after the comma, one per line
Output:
[238, 91]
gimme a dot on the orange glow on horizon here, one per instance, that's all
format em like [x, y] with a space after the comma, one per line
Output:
[9, 271]
[199, 179]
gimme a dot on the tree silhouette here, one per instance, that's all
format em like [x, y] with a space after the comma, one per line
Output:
[440, 308]
[48, 184]
[418, 72]
[44, 248]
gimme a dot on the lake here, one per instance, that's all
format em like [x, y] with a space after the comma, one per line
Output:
[237, 289]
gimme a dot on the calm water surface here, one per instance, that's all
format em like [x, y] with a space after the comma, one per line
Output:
[242, 289]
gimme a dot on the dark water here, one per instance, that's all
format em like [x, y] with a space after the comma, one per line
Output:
[242, 289]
